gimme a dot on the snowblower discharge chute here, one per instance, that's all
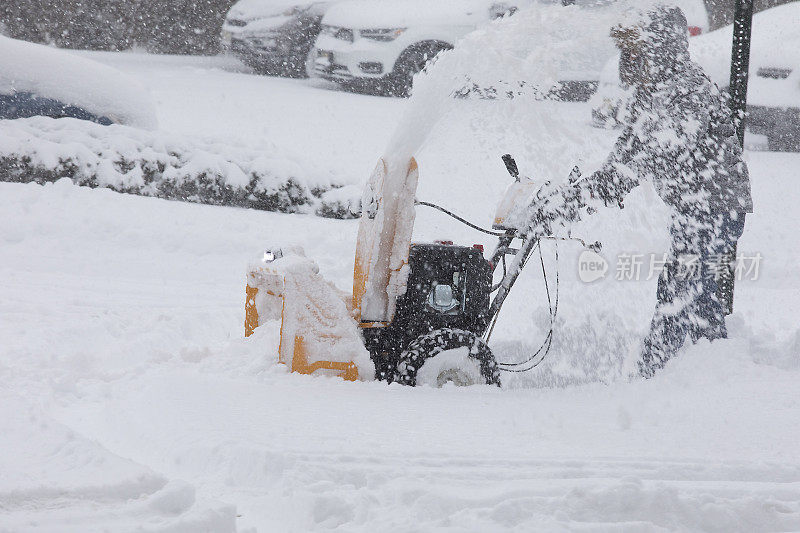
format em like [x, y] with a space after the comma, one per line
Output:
[419, 313]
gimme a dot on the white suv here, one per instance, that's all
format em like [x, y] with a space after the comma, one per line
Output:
[380, 45]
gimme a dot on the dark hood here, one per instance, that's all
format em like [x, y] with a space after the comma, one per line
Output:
[665, 37]
[655, 43]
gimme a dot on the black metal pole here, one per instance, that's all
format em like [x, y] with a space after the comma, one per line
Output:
[740, 70]
[740, 63]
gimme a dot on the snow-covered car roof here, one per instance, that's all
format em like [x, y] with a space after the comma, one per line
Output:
[248, 10]
[695, 10]
[774, 61]
[405, 13]
[775, 45]
[72, 80]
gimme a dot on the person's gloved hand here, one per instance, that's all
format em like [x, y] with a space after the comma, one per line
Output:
[537, 223]
[543, 207]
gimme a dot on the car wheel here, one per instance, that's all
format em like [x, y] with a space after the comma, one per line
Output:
[447, 356]
[412, 61]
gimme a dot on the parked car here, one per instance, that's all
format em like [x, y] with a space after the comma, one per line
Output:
[773, 96]
[38, 80]
[273, 41]
[381, 45]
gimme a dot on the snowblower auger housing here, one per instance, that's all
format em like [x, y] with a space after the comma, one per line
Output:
[317, 333]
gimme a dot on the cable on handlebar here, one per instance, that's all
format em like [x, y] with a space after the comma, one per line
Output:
[544, 349]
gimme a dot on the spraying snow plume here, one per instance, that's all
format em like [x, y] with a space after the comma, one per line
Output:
[498, 92]
[512, 61]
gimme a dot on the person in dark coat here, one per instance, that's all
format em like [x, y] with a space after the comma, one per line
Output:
[678, 134]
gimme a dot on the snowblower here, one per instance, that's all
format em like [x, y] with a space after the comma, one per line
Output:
[419, 312]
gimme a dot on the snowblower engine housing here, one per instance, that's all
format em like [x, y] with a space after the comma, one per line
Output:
[448, 286]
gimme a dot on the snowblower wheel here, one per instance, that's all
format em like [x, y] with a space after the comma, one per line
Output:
[447, 355]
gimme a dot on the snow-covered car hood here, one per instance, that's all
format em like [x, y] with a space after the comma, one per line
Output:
[63, 76]
[259, 25]
[247, 10]
[266, 16]
[407, 13]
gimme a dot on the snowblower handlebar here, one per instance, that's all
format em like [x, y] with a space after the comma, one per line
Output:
[529, 240]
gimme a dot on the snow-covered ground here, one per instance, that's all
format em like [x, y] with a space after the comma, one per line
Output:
[131, 401]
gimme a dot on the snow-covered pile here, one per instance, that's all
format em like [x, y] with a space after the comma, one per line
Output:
[166, 166]
[73, 80]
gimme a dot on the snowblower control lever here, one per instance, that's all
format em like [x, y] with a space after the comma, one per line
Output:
[511, 166]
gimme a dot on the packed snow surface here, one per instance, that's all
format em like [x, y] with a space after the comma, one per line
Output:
[64, 76]
[130, 399]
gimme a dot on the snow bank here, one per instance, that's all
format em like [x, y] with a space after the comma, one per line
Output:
[74, 80]
[156, 164]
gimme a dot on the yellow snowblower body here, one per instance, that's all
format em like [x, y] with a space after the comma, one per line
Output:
[409, 302]
[319, 324]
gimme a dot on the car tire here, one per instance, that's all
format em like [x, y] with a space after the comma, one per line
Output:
[410, 62]
[432, 359]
